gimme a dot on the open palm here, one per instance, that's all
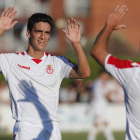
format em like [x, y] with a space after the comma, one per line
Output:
[116, 16]
[74, 33]
[6, 19]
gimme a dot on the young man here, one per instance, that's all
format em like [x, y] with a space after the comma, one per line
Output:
[126, 72]
[34, 76]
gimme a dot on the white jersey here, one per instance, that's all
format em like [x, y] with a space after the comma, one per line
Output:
[99, 90]
[34, 85]
[127, 73]
[99, 102]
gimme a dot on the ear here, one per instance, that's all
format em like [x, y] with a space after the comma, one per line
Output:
[28, 34]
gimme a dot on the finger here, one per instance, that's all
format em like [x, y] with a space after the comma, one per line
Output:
[14, 14]
[7, 13]
[116, 9]
[71, 23]
[78, 26]
[122, 15]
[68, 25]
[4, 11]
[119, 27]
[75, 26]
[10, 13]
[14, 23]
[65, 32]
[122, 9]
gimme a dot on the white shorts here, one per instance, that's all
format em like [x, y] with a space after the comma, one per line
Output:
[29, 131]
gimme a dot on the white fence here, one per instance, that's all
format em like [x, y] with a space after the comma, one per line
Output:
[74, 118]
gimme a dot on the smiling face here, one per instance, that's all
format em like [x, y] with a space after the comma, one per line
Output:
[39, 36]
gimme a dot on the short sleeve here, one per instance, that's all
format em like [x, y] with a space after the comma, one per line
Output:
[4, 63]
[66, 66]
[121, 70]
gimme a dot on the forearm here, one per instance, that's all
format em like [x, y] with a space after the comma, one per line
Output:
[101, 41]
[83, 65]
[1, 31]
[99, 50]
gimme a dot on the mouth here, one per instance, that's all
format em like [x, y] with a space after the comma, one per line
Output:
[41, 42]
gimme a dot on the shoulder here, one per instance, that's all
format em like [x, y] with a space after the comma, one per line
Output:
[58, 58]
[8, 55]
[119, 63]
[20, 53]
[48, 54]
[65, 60]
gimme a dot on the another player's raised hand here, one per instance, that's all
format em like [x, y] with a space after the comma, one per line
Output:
[116, 16]
[6, 19]
[74, 33]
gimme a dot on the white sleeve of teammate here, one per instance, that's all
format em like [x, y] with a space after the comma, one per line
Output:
[121, 70]
[4, 63]
[66, 66]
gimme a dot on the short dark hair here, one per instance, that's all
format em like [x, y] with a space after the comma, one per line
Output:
[38, 17]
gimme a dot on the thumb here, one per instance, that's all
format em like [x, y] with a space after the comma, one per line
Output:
[119, 27]
[65, 32]
[14, 23]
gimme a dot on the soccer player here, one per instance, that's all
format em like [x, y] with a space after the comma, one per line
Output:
[98, 107]
[126, 72]
[34, 76]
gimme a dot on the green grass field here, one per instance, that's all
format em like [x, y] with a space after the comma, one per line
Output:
[74, 136]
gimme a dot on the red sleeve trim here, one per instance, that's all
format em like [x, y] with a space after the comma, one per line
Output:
[121, 64]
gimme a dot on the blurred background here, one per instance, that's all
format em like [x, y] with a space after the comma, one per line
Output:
[75, 95]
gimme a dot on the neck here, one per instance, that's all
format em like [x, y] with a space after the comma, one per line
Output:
[35, 54]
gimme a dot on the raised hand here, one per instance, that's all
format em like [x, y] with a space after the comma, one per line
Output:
[116, 16]
[74, 33]
[6, 19]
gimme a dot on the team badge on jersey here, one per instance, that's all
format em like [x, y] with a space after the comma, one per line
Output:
[49, 69]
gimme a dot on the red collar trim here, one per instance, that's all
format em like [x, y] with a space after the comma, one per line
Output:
[37, 60]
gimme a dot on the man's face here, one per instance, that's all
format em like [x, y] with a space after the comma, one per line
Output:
[39, 36]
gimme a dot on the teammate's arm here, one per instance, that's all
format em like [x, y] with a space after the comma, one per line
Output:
[82, 70]
[6, 20]
[99, 50]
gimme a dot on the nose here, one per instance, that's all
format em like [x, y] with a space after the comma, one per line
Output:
[42, 36]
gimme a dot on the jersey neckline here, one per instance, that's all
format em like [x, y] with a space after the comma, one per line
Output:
[37, 61]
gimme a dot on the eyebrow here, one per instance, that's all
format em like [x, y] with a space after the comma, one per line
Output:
[42, 31]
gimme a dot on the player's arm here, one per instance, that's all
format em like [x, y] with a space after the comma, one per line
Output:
[99, 50]
[6, 20]
[82, 70]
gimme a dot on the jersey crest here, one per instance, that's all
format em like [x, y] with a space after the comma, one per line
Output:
[49, 69]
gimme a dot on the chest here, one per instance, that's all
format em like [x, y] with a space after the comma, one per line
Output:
[46, 72]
